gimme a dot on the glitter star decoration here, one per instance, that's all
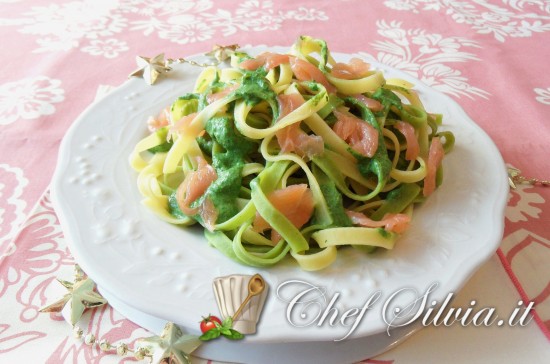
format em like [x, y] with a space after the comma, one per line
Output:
[170, 347]
[513, 174]
[81, 295]
[515, 177]
[150, 68]
[221, 53]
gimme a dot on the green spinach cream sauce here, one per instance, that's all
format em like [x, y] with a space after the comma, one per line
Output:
[227, 146]
[229, 149]
[255, 88]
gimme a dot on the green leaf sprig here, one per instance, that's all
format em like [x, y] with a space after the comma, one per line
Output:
[225, 329]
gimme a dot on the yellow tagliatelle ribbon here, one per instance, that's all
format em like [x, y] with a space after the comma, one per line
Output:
[247, 149]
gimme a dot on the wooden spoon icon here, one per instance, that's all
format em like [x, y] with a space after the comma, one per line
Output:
[256, 285]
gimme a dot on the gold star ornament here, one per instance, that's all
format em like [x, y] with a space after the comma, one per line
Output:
[221, 53]
[171, 347]
[513, 174]
[81, 295]
[515, 177]
[150, 68]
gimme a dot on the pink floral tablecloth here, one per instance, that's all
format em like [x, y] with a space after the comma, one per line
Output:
[491, 56]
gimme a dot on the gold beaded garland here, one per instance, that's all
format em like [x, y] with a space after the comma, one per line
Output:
[89, 339]
[140, 354]
[104, 345]
[150, 68]
[515, 177]
[177, 346]
[122, 349]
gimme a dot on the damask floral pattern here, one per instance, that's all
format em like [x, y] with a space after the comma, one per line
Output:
[543, 95]
[513, 18]
[12, 212]
[32, 267]
[406, 34]
[192, 22]
[427, 56]
[94, 27]
[109, 48]
[530, 251]
[522, 204]
[58, 25]
[29, 98]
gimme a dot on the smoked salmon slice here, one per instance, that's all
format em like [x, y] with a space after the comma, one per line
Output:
[292, 138]
[162, 120]
[181, 125]
[397, 223]
[372, 104]
[356, 68]
[435, 157]
[359, 134]
[208, 213]
[289, 103]
[268, 60]
[221, 94]
[305, 71]
[413, 147]
[194, 186]
[295, 202]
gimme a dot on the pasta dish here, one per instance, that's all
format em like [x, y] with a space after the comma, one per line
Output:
[292, 155]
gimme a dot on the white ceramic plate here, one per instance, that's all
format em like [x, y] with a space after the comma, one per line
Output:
[166, 271]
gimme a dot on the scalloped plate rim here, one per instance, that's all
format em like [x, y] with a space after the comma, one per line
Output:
[79, 245]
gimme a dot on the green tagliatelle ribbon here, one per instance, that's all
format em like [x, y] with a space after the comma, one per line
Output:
[230, 132]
